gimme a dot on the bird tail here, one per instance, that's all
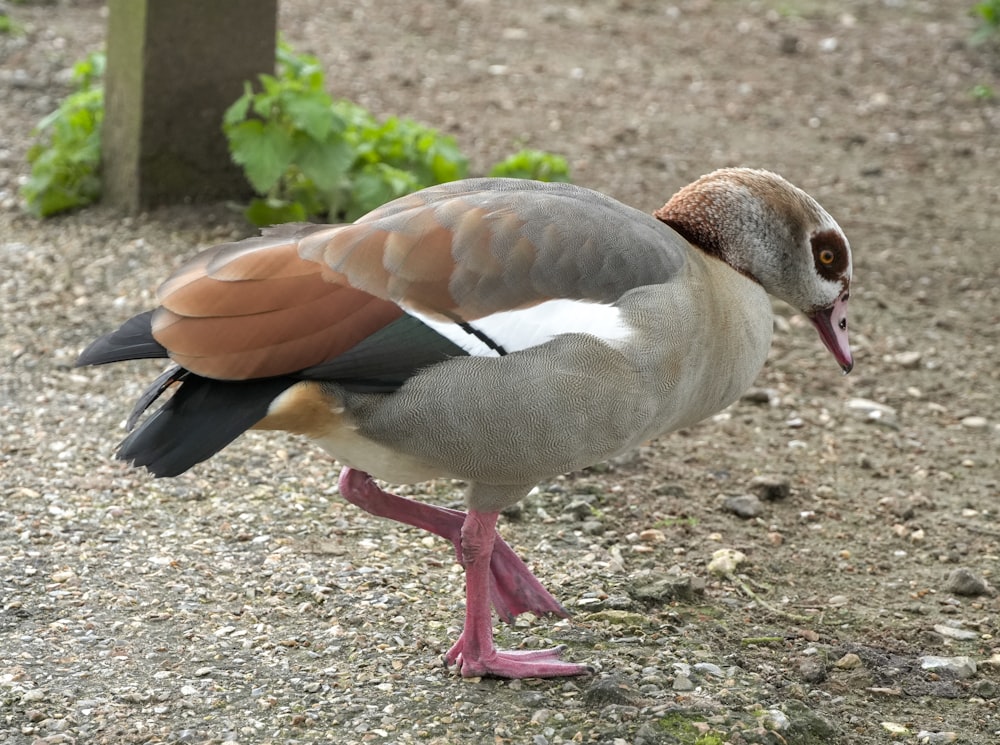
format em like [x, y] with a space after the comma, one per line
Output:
[200, 418]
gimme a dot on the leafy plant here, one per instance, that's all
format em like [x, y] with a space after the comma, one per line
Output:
[533, 164]
[309, 156]
[306, 155]
[989, 25]
[65, 162]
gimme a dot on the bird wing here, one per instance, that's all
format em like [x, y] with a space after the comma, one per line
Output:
[489, 265]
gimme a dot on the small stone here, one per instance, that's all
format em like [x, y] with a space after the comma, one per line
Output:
[707, 668]
[592, 527]
[580, 509]
[725, 561]
[955, 632]
[541, 716]
[747, 506]
[925, 737]
[838, 600]
[682, 683]
[652, 535]
[961, 667]
[849, 661]
[963, 582]
[612, 690]
[760, 396]
[775, 720]
[812, 671]
[986, 689]
[663, 589]
[907, 360]
[872, 411]
[804, 725]
[975, 422]
[771, 488]
[513, 512]
[896, 730]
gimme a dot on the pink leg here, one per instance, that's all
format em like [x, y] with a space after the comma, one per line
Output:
[513, 588]
[474, 652]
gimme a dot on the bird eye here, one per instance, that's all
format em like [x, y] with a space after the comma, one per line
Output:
[826, 257]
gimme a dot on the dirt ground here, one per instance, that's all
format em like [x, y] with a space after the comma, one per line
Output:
[245, 602]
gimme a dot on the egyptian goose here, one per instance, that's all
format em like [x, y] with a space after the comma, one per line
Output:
[497, 331]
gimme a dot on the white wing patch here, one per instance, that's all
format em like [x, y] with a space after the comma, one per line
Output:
[514, 330]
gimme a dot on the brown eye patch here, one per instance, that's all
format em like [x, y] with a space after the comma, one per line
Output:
[829, 254]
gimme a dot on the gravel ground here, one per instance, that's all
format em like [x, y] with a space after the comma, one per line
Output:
[813, 565]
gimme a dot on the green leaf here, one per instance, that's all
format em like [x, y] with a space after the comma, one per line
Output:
[354, 117]
[312, 113]
[264, 212]
[377, 184]
[89, 71]
[302, 68]
[326, 163]
[264, 149]
[237, 112]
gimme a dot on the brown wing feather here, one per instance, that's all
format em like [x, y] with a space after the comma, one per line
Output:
[257, 309]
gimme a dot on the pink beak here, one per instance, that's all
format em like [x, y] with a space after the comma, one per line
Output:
[831, 323]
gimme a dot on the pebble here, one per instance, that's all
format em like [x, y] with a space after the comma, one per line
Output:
[849, 661]
[725, 561]
[961, 667]
[776, 720]
[812, 671]
[975, 422]
[611, 690]
[907, 360]
[592, 527]
[652, 535]
[771, 488]
[682, 683]
[872, 411]
[896, 730]
[962, 581]
[660, 589]
[765, 396]
[955, 632]
[747, 506]
[925, 737]
[707, 668]
[580, 508]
